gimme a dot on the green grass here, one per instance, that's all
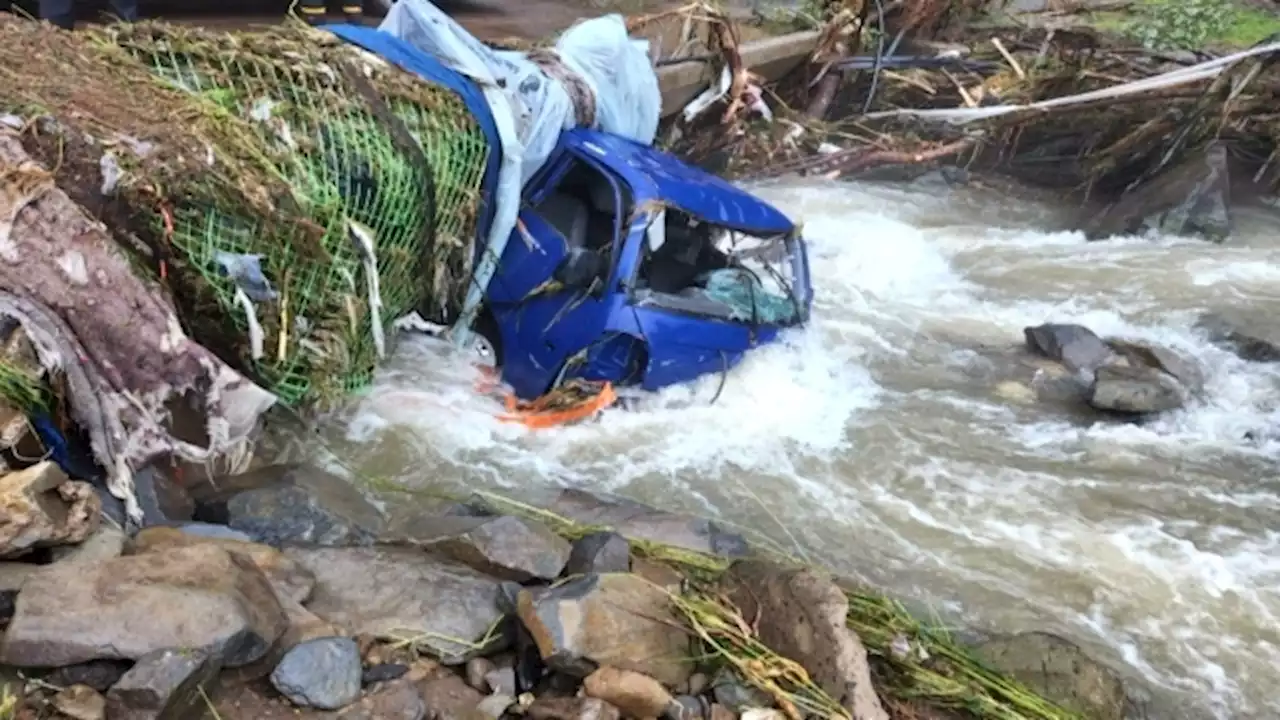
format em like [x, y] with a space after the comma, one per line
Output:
[1241, 28]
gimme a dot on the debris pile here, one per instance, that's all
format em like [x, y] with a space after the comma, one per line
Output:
[1063, 107]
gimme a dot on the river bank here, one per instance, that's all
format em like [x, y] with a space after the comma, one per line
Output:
[310, 601]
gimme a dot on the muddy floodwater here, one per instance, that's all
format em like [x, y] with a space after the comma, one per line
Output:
[884, 441]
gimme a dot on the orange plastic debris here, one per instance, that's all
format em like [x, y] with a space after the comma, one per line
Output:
[573, 401]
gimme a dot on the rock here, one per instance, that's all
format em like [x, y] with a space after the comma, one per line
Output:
[495, 706]
[397, 700]
[763, 714]
[125, 608]
[731, 691]
[659, 574]
[698, 683]
[210, 530]
[321, 673]
[1182, 369]
[615, 620]
[687, 707]
[599, 552]
[638, 521]
[478, 670]
[501, 680]
[1134, 390]
[40, 507]
[508, 548]
[383, 672]
[107, 542]
[1253, 335]
[1075, 346]
[161, 500]
[81, 702]
[293, 504]
[720, 712]
[549, 707]
[288, 578]
[1059, 670]
[404, 593]
[1189, 199]
[13, 575]
[97, 674]
[448, 696]
[800, 614]
[635, 694]
[165, 685]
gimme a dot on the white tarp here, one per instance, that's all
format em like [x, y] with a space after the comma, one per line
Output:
[530, 108]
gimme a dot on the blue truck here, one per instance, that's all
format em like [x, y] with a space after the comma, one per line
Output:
[626, 264]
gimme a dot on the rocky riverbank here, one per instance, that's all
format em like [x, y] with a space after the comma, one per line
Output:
[286, 592]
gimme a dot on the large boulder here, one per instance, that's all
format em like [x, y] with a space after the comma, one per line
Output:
[289, 579]
[40, 507]
[284, 504]
[125, 608]
[801, 614]
[618, 620]
[1253, 335]
[508, 548]
[1075, 346]
[638, 521]
[403, 593]
[1060, 671]
[1192, 198]
[1134, 390]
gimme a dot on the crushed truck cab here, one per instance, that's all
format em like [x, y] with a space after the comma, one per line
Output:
[630, 266]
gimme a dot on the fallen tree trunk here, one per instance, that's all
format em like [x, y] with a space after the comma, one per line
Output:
[121, 350]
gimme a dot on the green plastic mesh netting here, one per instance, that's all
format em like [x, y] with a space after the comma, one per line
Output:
[288, 145]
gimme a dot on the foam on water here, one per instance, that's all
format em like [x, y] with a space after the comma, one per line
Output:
[865, 437]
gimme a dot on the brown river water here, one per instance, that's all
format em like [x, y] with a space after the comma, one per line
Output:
[878, 441]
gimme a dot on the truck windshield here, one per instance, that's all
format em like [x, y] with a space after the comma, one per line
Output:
[694, 267]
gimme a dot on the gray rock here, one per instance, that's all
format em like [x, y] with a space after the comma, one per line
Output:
[687, 707]
[404, 593]
[165, 685]
[300, 504]
[599, 552]
[495, 706]
[477, 670]
[801, 614]
[321, 673]
[107, 542]
[1060, 671]
[1253, 335]
[641, 522]
[97, 674]
[1075, 346]
[12, 577]
[128, 607]
[210, 530]
[1134, 390]
[1185, 370]
[42, 508]
[618, 620]
[288, 578]
[731, 691]
[1192, 198]
[508, 548]
[501, 680]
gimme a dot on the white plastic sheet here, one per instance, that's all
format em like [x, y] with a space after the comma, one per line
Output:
[530, 108]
